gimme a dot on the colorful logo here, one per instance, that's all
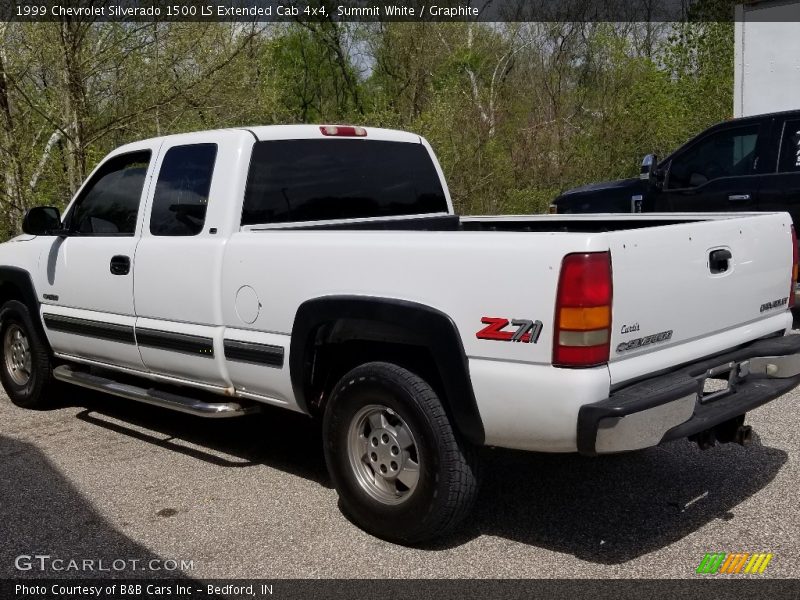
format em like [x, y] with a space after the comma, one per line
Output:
[716, 563]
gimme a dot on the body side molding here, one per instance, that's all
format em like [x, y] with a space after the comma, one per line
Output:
[86, 327]
[251, 352]
[195, 345]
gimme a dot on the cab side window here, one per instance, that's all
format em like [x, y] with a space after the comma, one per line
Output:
[727, 153]
[109, 204]
[181, 196]
[789, 160]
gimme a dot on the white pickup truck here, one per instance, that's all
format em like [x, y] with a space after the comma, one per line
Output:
[321, 269]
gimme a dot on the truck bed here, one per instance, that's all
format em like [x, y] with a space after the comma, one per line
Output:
[668, 308]
[662, 280]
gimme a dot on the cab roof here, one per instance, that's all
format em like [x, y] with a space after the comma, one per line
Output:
[286, 132]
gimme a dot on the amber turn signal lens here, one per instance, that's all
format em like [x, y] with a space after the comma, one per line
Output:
[583, 319]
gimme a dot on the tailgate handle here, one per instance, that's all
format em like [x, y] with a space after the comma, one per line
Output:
[719, 260]
[739, 197]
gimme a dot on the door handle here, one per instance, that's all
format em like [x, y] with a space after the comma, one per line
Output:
[739, 197]
[120, 265]
[719, 260]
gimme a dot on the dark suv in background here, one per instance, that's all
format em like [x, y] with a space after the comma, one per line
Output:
[747, 164]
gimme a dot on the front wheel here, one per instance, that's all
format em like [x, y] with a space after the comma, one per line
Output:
[25, 368]
[401, 472]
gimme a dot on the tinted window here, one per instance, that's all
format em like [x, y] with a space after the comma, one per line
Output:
[109, 203]
[314, 180]
[181, 196]
[790, 148]
[725, 153]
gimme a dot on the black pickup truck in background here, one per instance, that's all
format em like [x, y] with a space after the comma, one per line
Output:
[747, 164]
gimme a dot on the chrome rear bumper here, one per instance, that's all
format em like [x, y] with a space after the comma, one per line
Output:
[674, 405]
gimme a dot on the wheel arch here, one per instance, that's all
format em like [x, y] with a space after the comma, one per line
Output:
[385, 322]
[17, 284]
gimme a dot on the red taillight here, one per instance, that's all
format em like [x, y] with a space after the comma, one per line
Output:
[582, 333]
[343, 131]
[795, 260]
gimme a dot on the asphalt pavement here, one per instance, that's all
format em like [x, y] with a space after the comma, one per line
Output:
[104, 479]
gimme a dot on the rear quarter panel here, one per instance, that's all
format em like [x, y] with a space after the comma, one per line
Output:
[465, 275]
[523, 401]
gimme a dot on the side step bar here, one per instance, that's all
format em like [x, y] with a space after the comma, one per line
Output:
[184, 404]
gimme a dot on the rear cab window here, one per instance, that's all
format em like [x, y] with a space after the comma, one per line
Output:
[312, 180]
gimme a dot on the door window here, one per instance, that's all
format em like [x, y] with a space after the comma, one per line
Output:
[727, 153]
[181, 196]
[789, 161]
[109, 203]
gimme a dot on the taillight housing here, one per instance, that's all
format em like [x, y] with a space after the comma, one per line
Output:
[582, 333]
[795, 260]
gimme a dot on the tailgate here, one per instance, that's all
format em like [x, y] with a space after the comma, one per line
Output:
[672, 288]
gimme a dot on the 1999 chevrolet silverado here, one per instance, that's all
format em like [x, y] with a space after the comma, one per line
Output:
[322, 269]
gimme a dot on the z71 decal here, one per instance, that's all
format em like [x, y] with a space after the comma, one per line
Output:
[527, 331]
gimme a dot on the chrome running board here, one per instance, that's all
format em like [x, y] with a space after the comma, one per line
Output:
[184, 404]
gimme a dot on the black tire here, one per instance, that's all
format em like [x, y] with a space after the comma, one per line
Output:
[447, 466]
[37, 391]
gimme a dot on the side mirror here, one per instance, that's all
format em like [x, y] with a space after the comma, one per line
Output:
[42, 220]
[649, 166]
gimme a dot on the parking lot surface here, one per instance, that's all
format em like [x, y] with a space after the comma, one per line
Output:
[102, 478]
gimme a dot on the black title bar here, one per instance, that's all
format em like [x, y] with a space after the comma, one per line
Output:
[304, 589]
[388, 10]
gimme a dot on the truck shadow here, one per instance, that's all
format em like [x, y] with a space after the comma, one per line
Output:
[606, 510]
[616, 508]
[41, 513]
[278, 438]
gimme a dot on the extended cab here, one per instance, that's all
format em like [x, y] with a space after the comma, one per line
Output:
[321, 269]
[748, 164]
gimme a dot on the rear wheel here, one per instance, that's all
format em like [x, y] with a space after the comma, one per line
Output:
[25, 368]
[401, 472]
